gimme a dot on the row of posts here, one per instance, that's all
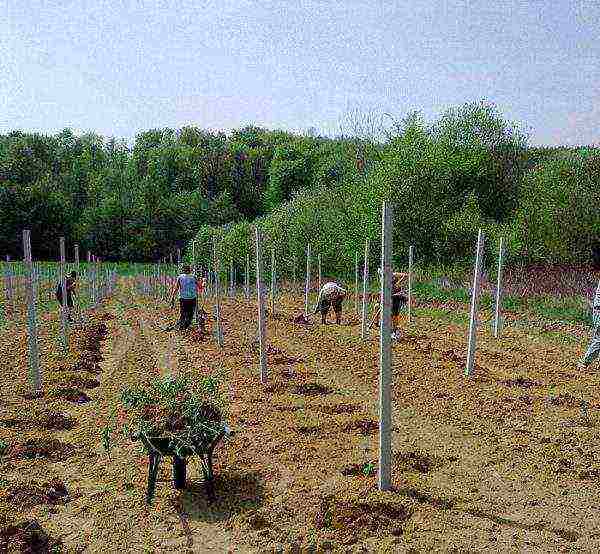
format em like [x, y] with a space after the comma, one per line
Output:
[101, 284]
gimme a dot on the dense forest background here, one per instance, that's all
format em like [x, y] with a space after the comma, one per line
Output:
[470, 168]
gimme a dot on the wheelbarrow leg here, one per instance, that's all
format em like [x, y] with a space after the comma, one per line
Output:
[209, 484]
[179, 471]
[153, 465]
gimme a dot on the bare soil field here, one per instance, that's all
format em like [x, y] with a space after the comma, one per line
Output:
[506, 460]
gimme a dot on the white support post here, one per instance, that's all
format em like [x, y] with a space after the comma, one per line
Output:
[474, 297]
[247, 277]
[217, 269]
[497, 307]
[178, 257]
[319, 282]
[307, 284]
[365, 299]
[77, 259]
[32, 331]
[356, 281]
[273, 280]
[411, 253]
[64, 310]
[8, 286]
[231, 278]
[260, 298]
[294, 269]
[385, 353]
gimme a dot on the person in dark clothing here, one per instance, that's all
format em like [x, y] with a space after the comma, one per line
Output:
[70, 284]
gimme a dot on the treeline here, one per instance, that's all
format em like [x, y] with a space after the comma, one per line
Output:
[142, 202]
[470, 169]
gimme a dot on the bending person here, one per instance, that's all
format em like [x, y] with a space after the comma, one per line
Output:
[331, 294]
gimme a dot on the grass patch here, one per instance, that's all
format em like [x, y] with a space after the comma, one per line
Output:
[443, 315]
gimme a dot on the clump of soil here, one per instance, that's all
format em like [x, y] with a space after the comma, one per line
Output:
[563, 400]
[49, 421]
[420, 461]
[368, 469]
[335, 409]
[364, 427]
[49, 449]
[284, 359]
[33, 395]
[312, 389]
[309, 429]
[521, 382]
[357, 519]
[83, 383]
[71, 394]
[589, 475]
[301, 320]
[27, 537]
[24, 496]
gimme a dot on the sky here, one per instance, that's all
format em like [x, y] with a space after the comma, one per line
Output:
[121, 67]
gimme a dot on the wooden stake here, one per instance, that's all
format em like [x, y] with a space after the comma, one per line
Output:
[32, 331]
[260, 298]
[497, 310]
[307, 285]
[474, 298]
[385, 352]
[365, 299]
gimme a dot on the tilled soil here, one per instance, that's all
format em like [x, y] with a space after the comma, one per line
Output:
[502, 461]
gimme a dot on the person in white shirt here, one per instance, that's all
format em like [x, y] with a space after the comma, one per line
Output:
[331, 294]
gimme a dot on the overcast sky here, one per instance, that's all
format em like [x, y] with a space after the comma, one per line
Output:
[118, 67]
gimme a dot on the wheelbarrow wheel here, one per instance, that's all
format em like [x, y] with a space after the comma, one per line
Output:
[179, 471]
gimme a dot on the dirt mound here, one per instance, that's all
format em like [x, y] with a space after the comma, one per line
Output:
[301, 320]
[421, 461]
[360, 519]
[72, 394]
[366, 469]
[27, 537]
[48, 449]
[522, 382]
[309, 429]
[49, 421]
[26, 495]
[83, 383]
[312, 389]
[365, 427]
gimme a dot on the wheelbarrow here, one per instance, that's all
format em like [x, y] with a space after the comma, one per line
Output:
[161, 447]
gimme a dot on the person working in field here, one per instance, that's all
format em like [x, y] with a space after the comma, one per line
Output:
[70, 284]
[593, 351]
[331, 294]
[399, 300]
[189, 287]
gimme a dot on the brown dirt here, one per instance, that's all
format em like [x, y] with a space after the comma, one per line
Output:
[479, 465]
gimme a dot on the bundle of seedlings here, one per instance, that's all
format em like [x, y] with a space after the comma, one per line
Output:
[176, 415]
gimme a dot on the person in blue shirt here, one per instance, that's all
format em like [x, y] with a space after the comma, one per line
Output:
[188, 287]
